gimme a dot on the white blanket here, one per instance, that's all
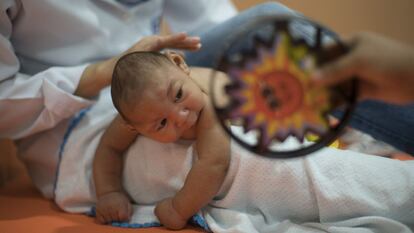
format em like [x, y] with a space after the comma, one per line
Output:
[329, 191]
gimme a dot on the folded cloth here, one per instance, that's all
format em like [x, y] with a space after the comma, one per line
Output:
[329, 191]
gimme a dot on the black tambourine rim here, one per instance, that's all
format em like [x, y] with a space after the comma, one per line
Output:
[349, 101]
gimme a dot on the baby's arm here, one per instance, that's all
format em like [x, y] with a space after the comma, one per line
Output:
[205, 177]
[112, 202]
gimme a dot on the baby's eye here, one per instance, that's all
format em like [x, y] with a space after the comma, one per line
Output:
[179, 95]
[162, 124]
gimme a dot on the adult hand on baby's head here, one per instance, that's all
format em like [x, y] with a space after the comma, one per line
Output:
[99, 75]
[168, 215]
[174, 41]
[113, 206]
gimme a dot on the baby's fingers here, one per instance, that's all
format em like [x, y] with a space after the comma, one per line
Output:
[102, 218]
[124, 214]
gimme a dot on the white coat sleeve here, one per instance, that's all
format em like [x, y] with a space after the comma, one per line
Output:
[193, 16]
[30, 104]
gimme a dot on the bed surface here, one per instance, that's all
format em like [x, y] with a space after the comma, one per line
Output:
[23, 209]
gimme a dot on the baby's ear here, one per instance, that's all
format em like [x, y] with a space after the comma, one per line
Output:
[178, 59]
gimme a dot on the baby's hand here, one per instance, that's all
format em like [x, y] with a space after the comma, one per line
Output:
[113, 206]
[168, 216]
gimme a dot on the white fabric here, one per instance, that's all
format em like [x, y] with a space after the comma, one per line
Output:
[61, 37]
[329, 191]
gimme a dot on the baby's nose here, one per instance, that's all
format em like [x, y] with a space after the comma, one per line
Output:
[181, 116]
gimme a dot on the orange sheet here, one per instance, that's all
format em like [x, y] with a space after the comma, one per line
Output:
[24, 210]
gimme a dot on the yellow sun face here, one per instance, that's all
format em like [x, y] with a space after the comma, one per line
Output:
[275, 93]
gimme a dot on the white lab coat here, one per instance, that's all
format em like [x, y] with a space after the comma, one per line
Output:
[46, 44]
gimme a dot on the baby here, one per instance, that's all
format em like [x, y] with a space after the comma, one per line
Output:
[158, 97]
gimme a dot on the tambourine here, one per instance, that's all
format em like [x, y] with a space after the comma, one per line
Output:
[268, 103]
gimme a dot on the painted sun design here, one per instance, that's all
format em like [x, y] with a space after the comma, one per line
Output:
[274, 95]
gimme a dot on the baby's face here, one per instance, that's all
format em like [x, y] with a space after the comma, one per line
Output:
[169, 107]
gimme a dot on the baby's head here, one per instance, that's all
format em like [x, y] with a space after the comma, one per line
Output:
[155, 95]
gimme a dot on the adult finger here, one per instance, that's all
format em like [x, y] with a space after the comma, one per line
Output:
[337, 71]
[180, 41]
[174, 38]
[187, 46]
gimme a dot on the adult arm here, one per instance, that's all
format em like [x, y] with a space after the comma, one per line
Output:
[29, 104]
